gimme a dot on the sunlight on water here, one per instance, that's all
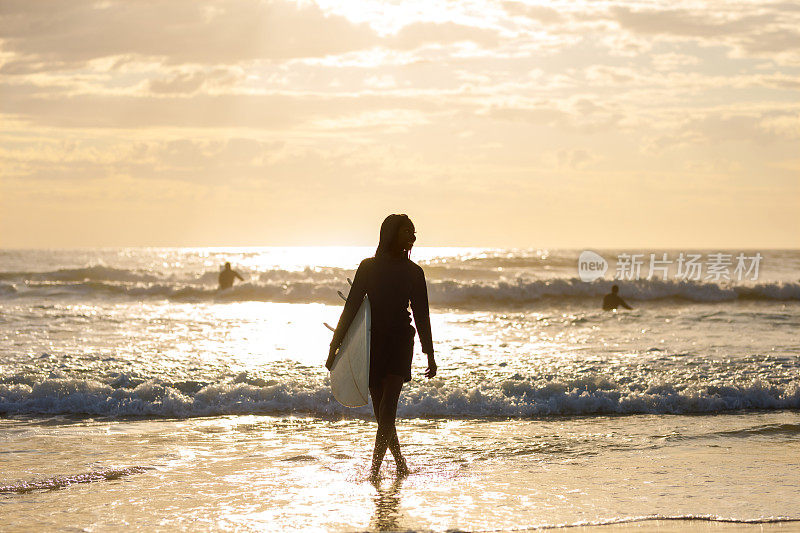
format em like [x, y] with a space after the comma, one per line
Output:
[144, 384]
[292, 258]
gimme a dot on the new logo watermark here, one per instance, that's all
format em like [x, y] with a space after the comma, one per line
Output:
[717, 266]
[591, 266]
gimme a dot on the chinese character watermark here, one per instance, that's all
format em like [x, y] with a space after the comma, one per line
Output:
[714, 267]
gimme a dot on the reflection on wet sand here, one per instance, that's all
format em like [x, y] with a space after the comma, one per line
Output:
[387, 506]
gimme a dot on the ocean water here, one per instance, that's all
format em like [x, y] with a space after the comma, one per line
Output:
[133, 392]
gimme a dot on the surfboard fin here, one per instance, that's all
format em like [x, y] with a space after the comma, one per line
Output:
[350, 281]
[328, 326]
[342, 296]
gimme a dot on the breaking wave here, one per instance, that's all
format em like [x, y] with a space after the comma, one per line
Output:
[515, 398]
[521, 291]
[311, 286]
[60, 482]
[89, 273]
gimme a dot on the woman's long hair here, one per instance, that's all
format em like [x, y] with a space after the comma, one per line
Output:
[387, 244]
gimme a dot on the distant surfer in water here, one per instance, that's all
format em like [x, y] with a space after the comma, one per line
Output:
[227, 276]
[391, 280]
[613, 300]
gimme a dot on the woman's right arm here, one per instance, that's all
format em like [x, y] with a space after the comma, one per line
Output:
[354, 299]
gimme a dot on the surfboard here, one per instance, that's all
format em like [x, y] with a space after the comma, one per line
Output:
[350, 371]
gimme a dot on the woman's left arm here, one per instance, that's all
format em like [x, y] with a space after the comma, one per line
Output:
[422, 319]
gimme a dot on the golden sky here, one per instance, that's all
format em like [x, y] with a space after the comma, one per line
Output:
[528, 124]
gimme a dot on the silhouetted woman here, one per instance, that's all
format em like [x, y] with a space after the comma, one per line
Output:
[391, 280]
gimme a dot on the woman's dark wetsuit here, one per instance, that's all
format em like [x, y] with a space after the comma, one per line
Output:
[391, 283]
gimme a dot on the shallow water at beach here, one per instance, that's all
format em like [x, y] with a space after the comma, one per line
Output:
[260, 472]
[133, 392]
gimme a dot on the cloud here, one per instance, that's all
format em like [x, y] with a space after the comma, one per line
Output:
[749, 28]
[190, 82]
[575, 159]
[421, 33]
[476, 93]
[180, 31]
[197, 32]
[686, 23]
[775, 129]
[755, 31]
[541, 114]
[772, 41]
[543, 14]
[672, 61]
[183, 159]
[180, 83]
[264, 111]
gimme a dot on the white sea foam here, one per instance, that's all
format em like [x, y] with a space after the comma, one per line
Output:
[88, 273]
[688, 518]
[508, 398]
[450, 293]
[480, 278]
[60, 482]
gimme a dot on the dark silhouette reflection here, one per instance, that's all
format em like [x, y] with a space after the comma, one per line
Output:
[387, 506]
[612, 300]
[227, 276]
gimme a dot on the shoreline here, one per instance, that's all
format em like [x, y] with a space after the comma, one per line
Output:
[255, 473]
[677, 524]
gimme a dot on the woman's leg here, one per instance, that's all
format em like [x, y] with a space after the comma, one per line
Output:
[394, 444]
[388, 394]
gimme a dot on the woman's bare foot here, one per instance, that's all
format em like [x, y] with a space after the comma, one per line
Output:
[402, 469]
[374, 475]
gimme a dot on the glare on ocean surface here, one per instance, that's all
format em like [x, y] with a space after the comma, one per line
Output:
[536, 387]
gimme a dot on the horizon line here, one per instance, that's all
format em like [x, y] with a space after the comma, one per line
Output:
[496, 247]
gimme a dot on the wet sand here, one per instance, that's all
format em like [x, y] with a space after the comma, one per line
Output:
[681, 525]
[264, 473]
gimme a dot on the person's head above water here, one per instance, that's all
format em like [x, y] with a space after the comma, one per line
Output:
[614, 289]
[397, 235]
[227, 266]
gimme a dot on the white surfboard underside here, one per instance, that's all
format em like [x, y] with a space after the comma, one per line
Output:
[350, 372]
